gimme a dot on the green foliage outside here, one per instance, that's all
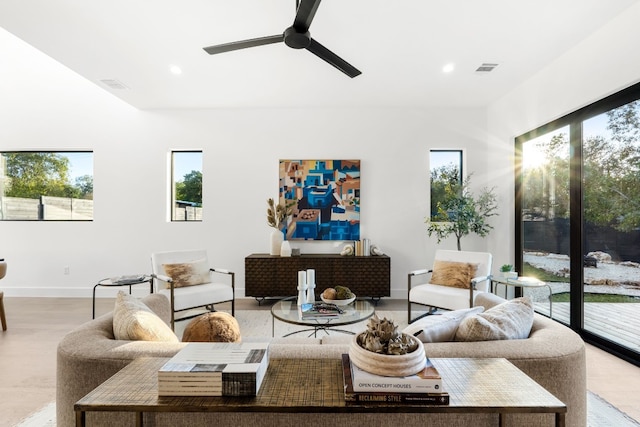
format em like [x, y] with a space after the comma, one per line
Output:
[611, 175]
[190, 188]
[459, 211]
[595, 297]
[545, 276]
[34, 174]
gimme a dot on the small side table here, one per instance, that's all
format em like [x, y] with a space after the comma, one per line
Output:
[521, 282]
[122, 281]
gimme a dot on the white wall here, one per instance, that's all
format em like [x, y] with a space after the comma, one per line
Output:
[601, 65]
[44, 106]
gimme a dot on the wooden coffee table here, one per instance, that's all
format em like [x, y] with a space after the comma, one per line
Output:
[493, 386]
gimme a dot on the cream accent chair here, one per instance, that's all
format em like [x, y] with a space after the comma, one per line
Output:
[188, 282]
[448, 297]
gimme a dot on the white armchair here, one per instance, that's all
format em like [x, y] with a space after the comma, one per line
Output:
[456, 278]
[187, 280]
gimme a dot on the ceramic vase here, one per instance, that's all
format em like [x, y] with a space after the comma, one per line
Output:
[285, 249]
[276, 241]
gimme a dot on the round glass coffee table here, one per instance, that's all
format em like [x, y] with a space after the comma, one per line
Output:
[286, 310]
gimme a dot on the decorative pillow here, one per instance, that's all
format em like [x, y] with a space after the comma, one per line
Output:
[188, 273]
[212, 327]
[440, 327]
[134, 321]
[452, 273]
[510, 320]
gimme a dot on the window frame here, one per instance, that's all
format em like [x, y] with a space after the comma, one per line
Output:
[461, 152]
[41, 213]
[173, 201]
[574, 121]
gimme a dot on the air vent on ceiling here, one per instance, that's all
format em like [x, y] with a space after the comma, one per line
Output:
[486, 67]
[114, 84]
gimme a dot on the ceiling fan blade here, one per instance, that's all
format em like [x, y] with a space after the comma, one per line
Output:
[306, 11]
[333, 59]
[243, 44]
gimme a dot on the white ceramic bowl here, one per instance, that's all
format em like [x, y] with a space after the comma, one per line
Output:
[338, 302]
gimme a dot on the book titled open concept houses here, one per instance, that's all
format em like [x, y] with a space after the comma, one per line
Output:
[387, 395]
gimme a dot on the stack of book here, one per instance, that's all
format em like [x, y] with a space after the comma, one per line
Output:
[424, 388]
[215, 369]
[320, 310]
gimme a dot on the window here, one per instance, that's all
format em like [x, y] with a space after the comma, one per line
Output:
[445, 167]
[46, 186]
[186, 186]
[578, 215]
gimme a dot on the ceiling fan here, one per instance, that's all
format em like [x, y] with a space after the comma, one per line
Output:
[296, 36]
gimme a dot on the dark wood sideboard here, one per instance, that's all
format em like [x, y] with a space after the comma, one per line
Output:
[268, 276]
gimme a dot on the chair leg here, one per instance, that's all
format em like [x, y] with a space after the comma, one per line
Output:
[2, 316]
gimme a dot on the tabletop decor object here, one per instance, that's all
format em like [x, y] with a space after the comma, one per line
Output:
[382, 350]
[339, 295]
[506, 270]
[277, 219]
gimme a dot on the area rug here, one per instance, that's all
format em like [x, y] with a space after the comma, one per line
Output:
[258, 323]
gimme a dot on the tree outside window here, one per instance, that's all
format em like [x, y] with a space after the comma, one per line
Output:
[445, 167]
[186, 186]
[46, 186]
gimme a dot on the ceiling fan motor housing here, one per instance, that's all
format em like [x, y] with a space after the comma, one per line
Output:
[295, 39]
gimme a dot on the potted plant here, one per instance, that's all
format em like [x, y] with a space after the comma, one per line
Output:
[460, 212]
[507, 271]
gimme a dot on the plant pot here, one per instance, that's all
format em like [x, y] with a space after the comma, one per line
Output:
[510, 274]
[391, 365]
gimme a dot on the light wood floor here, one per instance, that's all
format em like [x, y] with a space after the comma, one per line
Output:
[36, 325]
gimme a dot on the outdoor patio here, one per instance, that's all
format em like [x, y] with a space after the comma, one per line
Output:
[618, 322]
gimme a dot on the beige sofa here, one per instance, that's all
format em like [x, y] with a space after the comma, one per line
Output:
[553, 355]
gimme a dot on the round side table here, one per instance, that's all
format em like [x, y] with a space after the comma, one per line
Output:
[122, 281]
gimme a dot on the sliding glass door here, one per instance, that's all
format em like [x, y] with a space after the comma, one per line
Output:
[611, 233]
[545, 218]
[578, 215]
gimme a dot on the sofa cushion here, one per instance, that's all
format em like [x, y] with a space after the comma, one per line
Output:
[188, 273]
[134, 321]
[212, 327]
[510, 320]
[440, 327]
[452, 273]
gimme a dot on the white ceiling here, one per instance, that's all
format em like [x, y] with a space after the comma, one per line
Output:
[400, 46]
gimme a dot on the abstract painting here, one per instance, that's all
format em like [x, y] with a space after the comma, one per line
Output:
[324, 196]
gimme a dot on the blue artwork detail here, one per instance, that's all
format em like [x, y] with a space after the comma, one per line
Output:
[327, 198]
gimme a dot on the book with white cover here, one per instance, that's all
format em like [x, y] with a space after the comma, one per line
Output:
[215, 369]
[426, 381]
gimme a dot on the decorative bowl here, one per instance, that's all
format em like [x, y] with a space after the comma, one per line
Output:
[391, 365]
[338, 302]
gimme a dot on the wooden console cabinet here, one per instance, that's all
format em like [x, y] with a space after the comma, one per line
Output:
[274, 276]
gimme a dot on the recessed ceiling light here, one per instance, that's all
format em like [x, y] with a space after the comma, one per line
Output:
[448, 68]
[175, 69]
